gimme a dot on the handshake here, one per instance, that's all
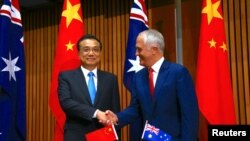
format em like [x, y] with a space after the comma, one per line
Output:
[106, 118]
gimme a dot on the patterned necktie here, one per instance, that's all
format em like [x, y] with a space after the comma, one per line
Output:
[91, 87]
[151, 81]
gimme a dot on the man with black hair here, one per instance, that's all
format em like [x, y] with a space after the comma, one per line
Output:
[84, 93]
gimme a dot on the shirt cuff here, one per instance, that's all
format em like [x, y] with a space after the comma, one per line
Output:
[94, 116]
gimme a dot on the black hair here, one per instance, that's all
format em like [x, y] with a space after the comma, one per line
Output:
[88, 36]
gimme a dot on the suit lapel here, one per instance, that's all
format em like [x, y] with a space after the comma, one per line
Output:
[100, 85]
[144, 90]
[144, 78]
[83, 85]
[162, 76]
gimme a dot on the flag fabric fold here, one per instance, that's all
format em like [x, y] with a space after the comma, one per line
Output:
[12, 74]
[71, 28]
[153, 133]
[138, 22]
[213, 82]
[107, 133]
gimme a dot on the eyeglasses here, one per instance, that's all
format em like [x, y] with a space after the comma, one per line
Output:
[95, 50]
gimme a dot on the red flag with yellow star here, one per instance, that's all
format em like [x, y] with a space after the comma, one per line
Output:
[106, 133]
[213, 82]
[70, 30]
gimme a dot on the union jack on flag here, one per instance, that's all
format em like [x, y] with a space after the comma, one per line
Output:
[152, 129]
[153, 133]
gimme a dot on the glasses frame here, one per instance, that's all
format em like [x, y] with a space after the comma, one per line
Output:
[87, 50]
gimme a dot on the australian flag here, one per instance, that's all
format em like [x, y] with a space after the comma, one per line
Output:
[12, 74]
[138, 22]
[151, 133]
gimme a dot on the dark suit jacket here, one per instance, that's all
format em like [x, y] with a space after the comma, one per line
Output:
[75, 101]
[174, 107]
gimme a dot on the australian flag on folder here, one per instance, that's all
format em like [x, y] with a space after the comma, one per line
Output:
[12, 74]
[151, 133]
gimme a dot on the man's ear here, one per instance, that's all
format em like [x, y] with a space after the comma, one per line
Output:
[155, 49]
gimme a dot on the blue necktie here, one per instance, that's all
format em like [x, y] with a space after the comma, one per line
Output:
[91, 87]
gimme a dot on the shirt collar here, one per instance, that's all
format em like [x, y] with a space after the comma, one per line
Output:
[85, 71]
[156, 67]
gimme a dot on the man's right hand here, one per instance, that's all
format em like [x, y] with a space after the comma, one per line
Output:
[107, 117]
[112, 117]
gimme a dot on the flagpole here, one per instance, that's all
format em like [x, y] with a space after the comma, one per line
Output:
[178, 29]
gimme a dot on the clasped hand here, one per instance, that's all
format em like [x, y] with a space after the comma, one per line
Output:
[107, 118]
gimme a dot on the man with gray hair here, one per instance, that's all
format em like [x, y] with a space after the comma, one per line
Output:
[163, 92]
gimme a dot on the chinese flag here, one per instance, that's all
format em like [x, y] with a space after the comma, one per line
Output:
[106, 133]
[70, 30]
[213, 84]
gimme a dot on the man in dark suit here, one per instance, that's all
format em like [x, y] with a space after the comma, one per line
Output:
[170, 102]
[83, 108]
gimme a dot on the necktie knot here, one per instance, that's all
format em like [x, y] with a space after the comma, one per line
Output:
[150, 70]
[91, 74]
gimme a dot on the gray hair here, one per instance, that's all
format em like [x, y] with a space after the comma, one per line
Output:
[153, 37]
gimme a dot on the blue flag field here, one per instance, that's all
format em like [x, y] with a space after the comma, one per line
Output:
[138, 22]
[12, 74]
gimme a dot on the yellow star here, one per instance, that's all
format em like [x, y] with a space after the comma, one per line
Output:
[212, 10]
[71, 12]
[212, 43]
[70, 46]
[107, 131]
[224, 47]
